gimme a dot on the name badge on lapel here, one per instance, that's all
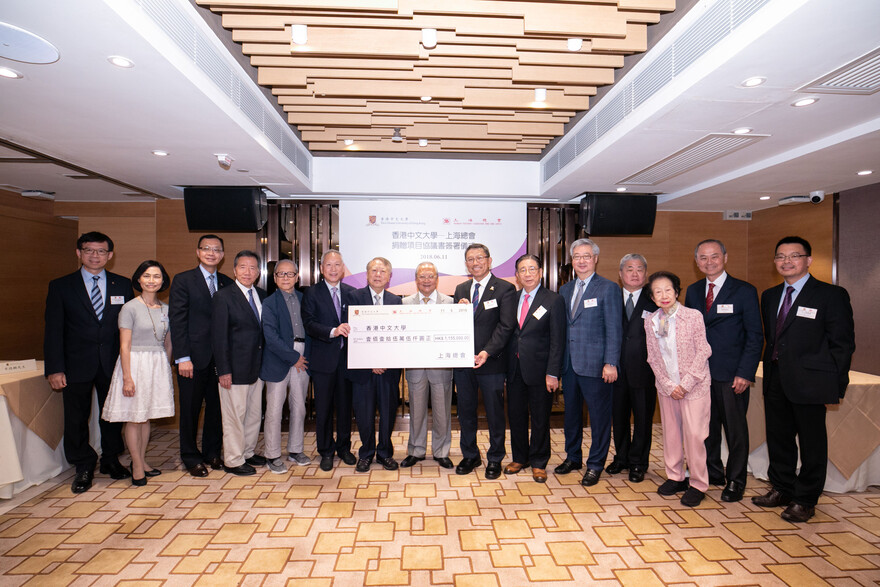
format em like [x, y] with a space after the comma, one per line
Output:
[591, 303]
[117, 300]
[725, 309]
[539, 312]
[804, 312]
[489, 304]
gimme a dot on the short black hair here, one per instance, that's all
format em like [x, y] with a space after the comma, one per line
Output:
[480, 246]
[209, 236]
[788, 240]
[94, 237]
[136, 276]
[245, 253]
[526, 257]
[676, 282]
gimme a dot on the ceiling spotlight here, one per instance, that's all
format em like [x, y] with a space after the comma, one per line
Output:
[426, 98]
[865, 172]
[540, 94]
[804, 102]
[160, 153]
[349, 142]
[429, 38]
[423, 142]
[119, 61]
[753, 82]
[10, 73]
[743, 130]
[575, 44]
[764, 198]
[621, 189]
[299, 34]
[396, 137]
[224, 161]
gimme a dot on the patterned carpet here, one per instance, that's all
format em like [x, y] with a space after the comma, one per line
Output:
[423, 526]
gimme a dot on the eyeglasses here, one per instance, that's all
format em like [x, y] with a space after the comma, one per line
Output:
[793, 257]
[527, 270]
[426, 277]
[99, 252]
[289, 274]
[476, 259]
[582, 257]
[211, 249]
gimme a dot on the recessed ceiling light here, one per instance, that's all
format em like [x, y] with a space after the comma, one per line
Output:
[540, 94]
[160, 153]
[621, 189]
[743, 130]
[423, 142]
[753, 82]
[349, 142]
[575, 44]
[299, 34]
[764, 198]
[426, 98]
[804, 102]
[429, 38]
[10, 73]
[865, 172]
[119, 61]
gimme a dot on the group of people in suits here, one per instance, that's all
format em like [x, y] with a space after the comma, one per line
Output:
[614, 349]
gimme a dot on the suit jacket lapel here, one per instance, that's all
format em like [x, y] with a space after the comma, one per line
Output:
[245, 305]
[590, 290]
[802, 299]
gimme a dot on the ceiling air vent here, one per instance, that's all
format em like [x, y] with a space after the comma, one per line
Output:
[859, 77]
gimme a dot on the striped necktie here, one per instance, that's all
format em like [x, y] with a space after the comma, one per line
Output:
[97, 298]
[211, 288]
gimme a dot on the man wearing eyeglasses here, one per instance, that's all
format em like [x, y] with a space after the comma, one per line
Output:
[810, 340]
[189, 313]
[284, 368]
[494, 304]
[80, 347]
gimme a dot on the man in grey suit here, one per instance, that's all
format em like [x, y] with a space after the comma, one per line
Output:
[421, 382]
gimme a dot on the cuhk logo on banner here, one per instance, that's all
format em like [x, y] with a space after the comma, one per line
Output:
[372, 220]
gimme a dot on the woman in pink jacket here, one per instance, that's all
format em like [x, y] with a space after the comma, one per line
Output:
[679, 356]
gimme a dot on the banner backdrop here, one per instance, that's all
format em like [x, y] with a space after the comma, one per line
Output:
[409, 232]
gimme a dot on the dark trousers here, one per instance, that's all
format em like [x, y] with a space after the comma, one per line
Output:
[378, 391]
[633, 447]
[577, 389]
[77, 397]
[728, 411]
[332, 395]
[785, 422]
[524, 401]
[468, 383]
[200, 389]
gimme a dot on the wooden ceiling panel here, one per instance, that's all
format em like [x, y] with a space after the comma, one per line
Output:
[364, 69]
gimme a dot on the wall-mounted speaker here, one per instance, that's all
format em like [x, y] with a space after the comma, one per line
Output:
[225, 209]
[614, 214]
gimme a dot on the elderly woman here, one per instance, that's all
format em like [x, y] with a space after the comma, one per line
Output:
[679, 356]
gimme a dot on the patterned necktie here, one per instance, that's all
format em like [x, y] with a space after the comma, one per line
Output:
[710, 297]
[577, 297]
[377, 301]
[476, 300]
[253, 304]
[780, 320]
[630, 306]
[336, 304]
[524, 311]
[426, 299]
[97, 298]
[211, 288]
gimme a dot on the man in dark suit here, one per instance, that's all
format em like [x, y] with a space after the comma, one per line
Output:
[591, 358]
[237, 340]
[494, 302]
[634, 393]
[733, 328]
[80, 347]
[379, 387]
[810, 340]
[190, 315]
[324, 307]
[535, 355]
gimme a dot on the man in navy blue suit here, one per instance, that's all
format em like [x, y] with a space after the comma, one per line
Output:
[379, 387]
[733, 328]
[591, 358]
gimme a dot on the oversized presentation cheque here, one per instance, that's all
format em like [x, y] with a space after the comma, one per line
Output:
[416, 336]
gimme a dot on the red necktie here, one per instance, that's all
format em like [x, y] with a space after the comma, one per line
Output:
[710, 297]
[525, 310]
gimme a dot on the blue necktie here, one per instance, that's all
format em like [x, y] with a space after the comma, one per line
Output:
[211, 289]
[476, 300]
[253, 304]
[97, 298]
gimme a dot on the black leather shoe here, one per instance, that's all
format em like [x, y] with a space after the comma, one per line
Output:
[215, 463]
[493, 470]
[363, 465]
[115, 470]
[347, 458]
[733, 492]
[444, 462]
[410, 460]
[615, 467]
[798, 513]
[256, 461]
[467, 465]
[242, 470]
[636, 475]
[717, 481]
[771, 499]
[153, 473]
[139, 482]
[671, 487]
[82, 481]
[198, 470]
[692, 497]
[566, 467]
[389, 463]
[591, 477]
[327, 463]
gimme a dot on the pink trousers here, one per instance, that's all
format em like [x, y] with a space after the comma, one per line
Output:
[685, 428]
